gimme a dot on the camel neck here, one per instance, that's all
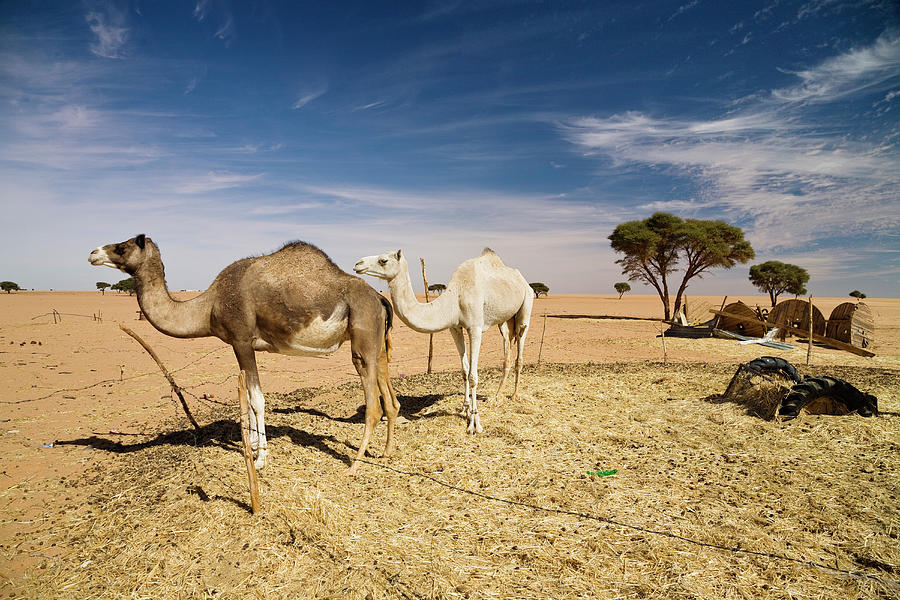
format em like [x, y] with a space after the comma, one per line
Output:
[183, 319]
[424, 317]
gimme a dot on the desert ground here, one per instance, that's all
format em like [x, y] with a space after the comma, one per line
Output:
[106, 491]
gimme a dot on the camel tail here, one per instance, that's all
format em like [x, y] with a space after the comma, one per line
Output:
[388, 323]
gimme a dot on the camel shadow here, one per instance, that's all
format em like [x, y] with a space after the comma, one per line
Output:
[224, 433]
[410, 407]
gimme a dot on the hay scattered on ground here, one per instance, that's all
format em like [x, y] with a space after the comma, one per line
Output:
[173, 519]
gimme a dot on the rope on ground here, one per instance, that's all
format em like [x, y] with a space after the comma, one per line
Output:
[889, 583]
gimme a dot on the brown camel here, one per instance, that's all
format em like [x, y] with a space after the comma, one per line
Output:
[294, 301]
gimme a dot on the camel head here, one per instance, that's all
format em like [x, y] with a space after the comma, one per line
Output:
[126, 256]
[383, 266]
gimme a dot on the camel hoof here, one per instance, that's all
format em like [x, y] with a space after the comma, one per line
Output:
[260, 463]
[351, 470]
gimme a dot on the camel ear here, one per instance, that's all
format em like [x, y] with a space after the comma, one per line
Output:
[140, 241]
[397, 255]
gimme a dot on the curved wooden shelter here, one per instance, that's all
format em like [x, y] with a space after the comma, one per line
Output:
[852, 322]
[739, 309]
[795, 313]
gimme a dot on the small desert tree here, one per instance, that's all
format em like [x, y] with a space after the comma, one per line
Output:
[539, 289]
[437, 287]
[126, 285]
[9, 286]
[622, 287]
[775, 278]
[652, 249]
[857, 294]
[102, 285]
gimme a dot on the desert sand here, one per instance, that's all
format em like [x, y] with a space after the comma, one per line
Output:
[70, 373]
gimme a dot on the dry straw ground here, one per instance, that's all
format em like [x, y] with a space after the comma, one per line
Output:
[708, 501]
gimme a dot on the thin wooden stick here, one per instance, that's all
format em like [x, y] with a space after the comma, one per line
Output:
[175, 387]
[809, 346]
[430, 335]
[252, 478]
[662, 332]
[715, 321]
[543, 331]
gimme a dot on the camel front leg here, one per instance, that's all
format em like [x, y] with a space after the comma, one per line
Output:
[460, 341]
[475, 347]
[257, 401]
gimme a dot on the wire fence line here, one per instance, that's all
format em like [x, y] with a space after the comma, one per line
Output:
[889, 583]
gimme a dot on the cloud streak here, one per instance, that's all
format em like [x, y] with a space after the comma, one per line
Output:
[770, 164]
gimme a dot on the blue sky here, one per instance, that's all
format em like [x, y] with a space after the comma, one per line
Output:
[224, 128]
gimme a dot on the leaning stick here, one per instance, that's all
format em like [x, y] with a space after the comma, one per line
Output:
[810, 341]
[543, 331]
[175, 387]
[245, 439]
[430, 335]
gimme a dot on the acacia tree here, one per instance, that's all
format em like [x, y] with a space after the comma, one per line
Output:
[622, 287]
[9, 286]
[775, 277]
[437, 287]
[857, 294]
[102, 285]
[126, 285]
[652, 249]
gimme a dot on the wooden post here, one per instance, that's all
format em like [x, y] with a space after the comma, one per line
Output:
[662, 330]
[252, 478]
[175, 387]
[809, 346]
[543, 331]
[715, 322]
[430, 335]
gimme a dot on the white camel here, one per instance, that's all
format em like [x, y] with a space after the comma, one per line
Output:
[293, 301]
[482, 292]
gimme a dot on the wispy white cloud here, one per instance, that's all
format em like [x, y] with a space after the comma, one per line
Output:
[212, 182]
[111, 34]
[308, 97]
[868, 68]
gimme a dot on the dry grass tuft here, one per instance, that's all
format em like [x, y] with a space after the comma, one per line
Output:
[173, 520]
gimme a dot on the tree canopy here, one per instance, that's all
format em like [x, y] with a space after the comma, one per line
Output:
[539, 289]
[9, 286]
[126, 285]
[622, 287]
[857, 294]
[654, 248]
[102, 285]
[775, 278]
[437, 287]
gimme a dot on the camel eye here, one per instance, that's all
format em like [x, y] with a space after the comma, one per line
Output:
[382, 262]
[120, 250]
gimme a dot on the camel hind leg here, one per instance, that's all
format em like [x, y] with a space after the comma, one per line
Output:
[389, 399]
[508, 332]
[367, 344]
[523, 321]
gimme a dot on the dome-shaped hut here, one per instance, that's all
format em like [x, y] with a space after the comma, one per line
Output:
[852, 322]
[740, 309]
[795, 313]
